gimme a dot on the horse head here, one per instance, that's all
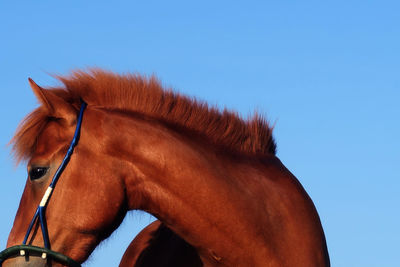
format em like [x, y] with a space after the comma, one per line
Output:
[88, 202]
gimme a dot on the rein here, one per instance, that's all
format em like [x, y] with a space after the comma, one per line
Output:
[40, 213]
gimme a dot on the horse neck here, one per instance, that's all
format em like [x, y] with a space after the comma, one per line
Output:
[233, 211]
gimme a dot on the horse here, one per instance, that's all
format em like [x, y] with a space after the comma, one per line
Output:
[209, 176]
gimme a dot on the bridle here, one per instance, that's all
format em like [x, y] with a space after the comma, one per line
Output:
[40, 214]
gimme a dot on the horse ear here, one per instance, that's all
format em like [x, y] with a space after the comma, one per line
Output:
[55, 105]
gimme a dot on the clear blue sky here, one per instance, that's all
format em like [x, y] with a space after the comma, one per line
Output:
[327, 72]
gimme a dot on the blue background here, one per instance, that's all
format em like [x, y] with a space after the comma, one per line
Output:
[326, 72]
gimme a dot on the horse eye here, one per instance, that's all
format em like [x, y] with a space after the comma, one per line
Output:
[37, 172]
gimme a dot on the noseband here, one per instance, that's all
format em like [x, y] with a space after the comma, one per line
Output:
[40, 214]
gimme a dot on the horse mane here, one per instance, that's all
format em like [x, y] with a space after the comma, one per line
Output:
[145, 95]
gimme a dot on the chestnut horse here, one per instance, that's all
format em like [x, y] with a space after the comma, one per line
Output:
[210, 177]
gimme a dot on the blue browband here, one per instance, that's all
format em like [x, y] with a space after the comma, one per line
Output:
[41, 210]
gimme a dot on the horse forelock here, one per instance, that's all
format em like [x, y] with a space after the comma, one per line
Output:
[145, 95]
